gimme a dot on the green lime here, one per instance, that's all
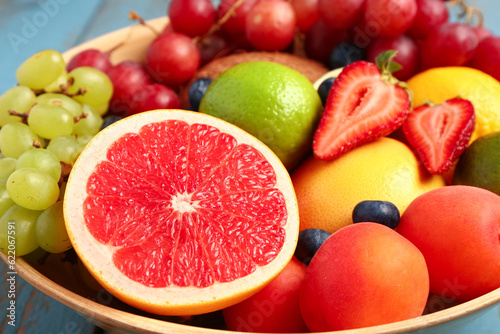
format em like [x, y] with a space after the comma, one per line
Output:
[479, 165]
[273, 102]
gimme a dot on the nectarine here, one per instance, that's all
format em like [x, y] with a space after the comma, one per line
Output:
[274, 309]
[364, 274]
[457, 230]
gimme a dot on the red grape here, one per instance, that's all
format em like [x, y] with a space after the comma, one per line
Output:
[450, 44]
[482, 32]
[155, 96]
[341, 15]
[213, 46]
[487, 56]
[391, 17]
[362, 33]
[90, 57]
[270, 25]
[430, 14]
[168, 28]
[407, 55]
[321, 39]
[127, 77]
[192, 17]
[235, 25]
[306, 13]
[172, 59]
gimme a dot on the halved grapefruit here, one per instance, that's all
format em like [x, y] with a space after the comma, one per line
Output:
[180, 213]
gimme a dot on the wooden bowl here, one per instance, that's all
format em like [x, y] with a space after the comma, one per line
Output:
[64, 278]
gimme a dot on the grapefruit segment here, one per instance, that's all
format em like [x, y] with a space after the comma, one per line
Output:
[180, 213]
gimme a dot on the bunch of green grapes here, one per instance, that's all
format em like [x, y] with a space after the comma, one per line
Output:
[46, 120]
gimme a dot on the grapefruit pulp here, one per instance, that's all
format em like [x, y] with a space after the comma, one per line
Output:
[180, 213]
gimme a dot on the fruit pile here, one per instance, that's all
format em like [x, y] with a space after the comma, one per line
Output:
[188, 206]
[46, 121]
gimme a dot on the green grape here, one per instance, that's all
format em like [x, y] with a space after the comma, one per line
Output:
[18, 231]
[17, 138]
[66, 148]
[51, 230]
[49, 121]
[61, 100]
[41, 69]
[90, 125]
[58, 84]
[32, 189]
[7, 166]
[5, 200]
[102, 109]
[84, 140]
[19, 99]
[41, 159]
[96, 85]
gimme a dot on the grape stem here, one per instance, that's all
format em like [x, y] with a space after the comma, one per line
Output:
[36, 143]
[80, 91]
[467, 12]
[65, 171]
[133, 15]
[24, 115]
[76, 119]
[65, 87]
[217, 25]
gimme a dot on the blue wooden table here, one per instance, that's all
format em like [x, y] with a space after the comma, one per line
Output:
[27, 26]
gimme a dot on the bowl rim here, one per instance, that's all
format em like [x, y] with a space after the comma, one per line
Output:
[106, 315]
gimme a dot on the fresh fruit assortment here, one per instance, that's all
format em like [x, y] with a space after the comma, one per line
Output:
[184, 206]
[385, 170]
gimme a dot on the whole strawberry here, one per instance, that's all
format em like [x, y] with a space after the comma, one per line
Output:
[365, 103]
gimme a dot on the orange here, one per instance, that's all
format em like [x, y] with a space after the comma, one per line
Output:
[385, 169]
[180, 213]
[442, 83]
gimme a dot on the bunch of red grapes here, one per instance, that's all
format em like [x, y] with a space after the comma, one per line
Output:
[330, 31]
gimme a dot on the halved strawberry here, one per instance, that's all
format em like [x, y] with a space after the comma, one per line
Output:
[364, 104]
[440, 133]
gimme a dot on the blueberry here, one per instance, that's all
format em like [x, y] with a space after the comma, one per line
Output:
[110, 120]
[197, 90]
[309, 242]
[381, 212]
[324, 89]
[344, 54]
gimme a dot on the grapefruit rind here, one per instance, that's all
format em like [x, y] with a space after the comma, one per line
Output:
[171, 300]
